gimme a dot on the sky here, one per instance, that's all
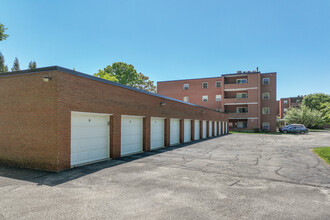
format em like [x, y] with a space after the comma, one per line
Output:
[176, 39]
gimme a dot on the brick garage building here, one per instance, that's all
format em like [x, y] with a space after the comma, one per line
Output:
[54, 118]
[249, 97]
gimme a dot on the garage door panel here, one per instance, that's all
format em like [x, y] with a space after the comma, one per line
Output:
[210, 128]
[197, 130]
[89, 138]
[131, 135]
[157, 130]
[85, 132]
[215, 129]
[187, 130]
[175, 131]
[83, 121]
[204, 129]
[89, 143]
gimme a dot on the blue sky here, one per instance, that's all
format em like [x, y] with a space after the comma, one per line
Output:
[179, 39]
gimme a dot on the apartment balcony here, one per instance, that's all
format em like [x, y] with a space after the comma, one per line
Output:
[236, 100]
[233, 86]
[245, 115]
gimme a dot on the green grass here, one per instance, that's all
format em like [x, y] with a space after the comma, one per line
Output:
[252, 132]
[324, 153]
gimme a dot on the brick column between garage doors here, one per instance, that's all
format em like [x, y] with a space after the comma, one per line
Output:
[167, 130]
[146, 133]
[115, 136]
[207, 129]
[182, 131]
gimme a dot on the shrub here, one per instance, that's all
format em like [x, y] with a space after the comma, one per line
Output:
[304, 115]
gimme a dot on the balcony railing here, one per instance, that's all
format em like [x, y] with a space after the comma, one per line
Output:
[231, 112]
[236, 97]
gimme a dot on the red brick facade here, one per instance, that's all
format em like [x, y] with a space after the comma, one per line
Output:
[36, 115]
[257, 95]
[285, 103]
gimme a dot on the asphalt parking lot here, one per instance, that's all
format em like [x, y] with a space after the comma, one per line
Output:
[237, 176]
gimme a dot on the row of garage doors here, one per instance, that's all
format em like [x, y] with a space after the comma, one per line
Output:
[90, 135]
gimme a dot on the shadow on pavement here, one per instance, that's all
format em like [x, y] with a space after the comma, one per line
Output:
[53, 179]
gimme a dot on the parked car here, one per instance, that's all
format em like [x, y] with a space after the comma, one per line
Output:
[294, 128]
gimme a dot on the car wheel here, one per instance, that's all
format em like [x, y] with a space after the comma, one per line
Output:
[302, 132]
[285, 132]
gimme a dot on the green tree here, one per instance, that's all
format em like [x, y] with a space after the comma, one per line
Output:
[3, 36]
[126, 74]
[325, 109]
[319, 102]
[3, 66]
[107, 74]
[315, 101]
[32, 65]
[16, 65]
[146, 84]
[304, 115]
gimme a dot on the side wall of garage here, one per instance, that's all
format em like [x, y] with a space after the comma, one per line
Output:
[28, 121]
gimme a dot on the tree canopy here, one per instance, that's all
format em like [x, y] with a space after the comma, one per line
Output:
[315, 101]
[319, 102]
[3, 66]
[126, 74]
[33, 65]
[16, 65]
[304, 115]
[3, 36]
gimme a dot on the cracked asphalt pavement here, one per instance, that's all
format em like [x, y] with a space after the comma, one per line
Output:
[237, 176]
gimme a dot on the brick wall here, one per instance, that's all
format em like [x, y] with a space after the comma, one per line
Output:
[28, 115]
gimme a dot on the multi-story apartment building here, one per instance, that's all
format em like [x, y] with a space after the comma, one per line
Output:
[285, 103]
[248, 97]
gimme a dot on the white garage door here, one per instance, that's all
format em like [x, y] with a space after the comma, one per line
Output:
[210, 128]
[157, 133]
[89, 137]
[197, 130]
[204, 129]
[175, 131]
[131, 134]
[187, 130]
[223, 127]
[219, 127]
[215, 129]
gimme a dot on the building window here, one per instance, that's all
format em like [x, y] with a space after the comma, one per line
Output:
[285, 109]
[218, 84]
[241, 95]
[218, 109]
[241, 124]
[285, 102]
[204, 85]
[265, 110]
[218, 98]
[186, 86]
[265, 81]
[186, 98]
[205, 98]
[298, 100]
[241, 81]
[265, 95]
[241, 110]
[265, 125]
